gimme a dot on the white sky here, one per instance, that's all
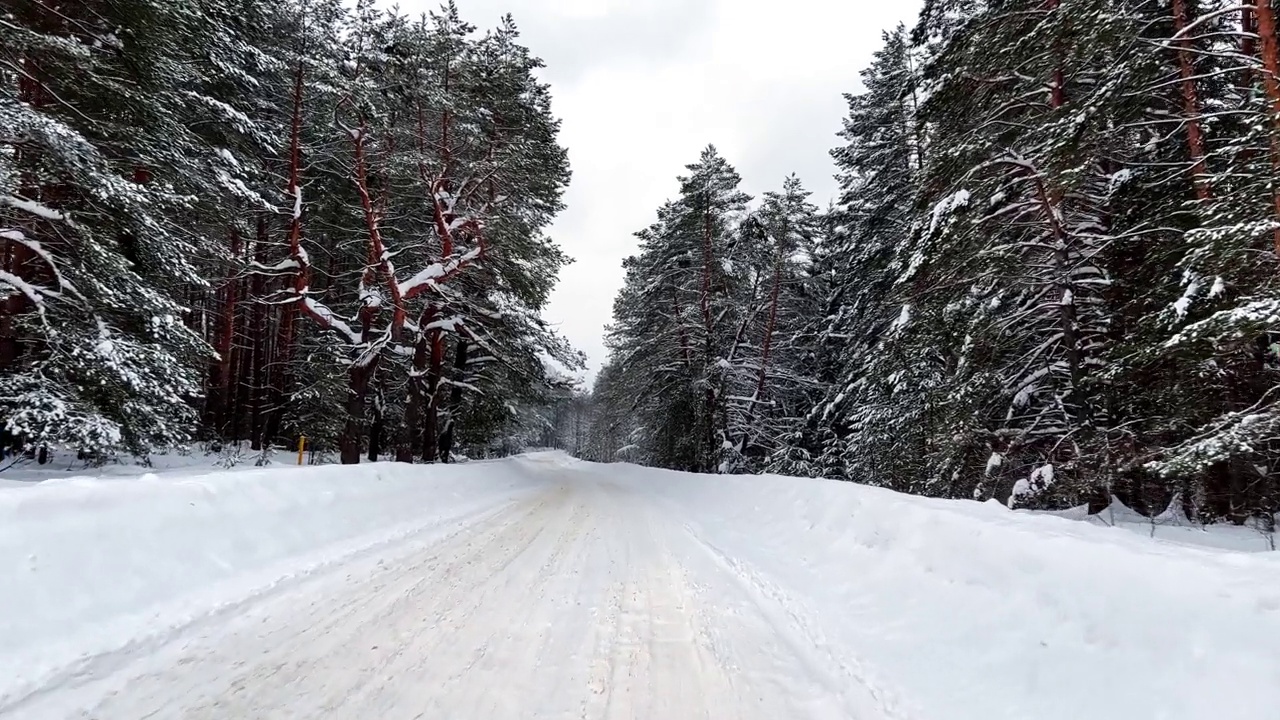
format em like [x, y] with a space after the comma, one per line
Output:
[643, 85]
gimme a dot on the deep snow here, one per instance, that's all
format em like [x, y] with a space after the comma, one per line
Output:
[545, 587]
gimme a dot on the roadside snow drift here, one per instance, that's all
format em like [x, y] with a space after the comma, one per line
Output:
[95, 565]
[971, 611]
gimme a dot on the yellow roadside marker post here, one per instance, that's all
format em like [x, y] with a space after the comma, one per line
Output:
[302, 445]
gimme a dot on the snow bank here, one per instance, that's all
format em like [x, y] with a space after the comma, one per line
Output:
[95, 566]
[973, 612]
[1174, 526]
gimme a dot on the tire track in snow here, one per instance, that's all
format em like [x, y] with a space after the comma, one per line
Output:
[860, 695]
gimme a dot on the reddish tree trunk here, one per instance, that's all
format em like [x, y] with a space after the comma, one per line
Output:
[704, 299]
[282, 381]
[460, 359]
[1057, 88]
[18, 257]
[258, 338]
[218, 395]
[1191, 104]
[435, 372]
[1271, 71]
[684, 335]
[359, 377]
[411, 429]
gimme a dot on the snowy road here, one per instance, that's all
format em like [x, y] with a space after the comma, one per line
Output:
[582, 599]
[544, 587]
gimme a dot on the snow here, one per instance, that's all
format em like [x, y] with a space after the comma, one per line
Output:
[903, 319]
[1183, 304]
[101, 566]
[449, 324]
[435, 271]
[283, 265]
[32, 207]
[946, 206]
[1119, 179]
[994, 462]
[1173, 526]
[1219, 287]
[1040, 480]
[333, 320]
[228, 157]
[968, 611]
[542, 586]
[32, 293]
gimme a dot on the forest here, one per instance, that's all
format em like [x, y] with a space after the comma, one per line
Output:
[1049, 278]
[238, 222]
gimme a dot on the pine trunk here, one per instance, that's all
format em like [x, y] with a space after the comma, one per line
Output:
[766, 347]
[1191, 103]
[282, 375]
[258, 336]
[411, 429]
[1271, 83]
[460, 360]
[352, 439]
[435, 370]
[220, 386]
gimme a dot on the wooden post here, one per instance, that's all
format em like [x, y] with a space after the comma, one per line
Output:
[302, 446]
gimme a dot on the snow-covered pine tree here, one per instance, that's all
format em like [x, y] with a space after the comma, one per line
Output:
[101, 178]
[226, 190]
[869, 427]
[769, 378]
[1204, 359]
[678, 323]
[448, 202]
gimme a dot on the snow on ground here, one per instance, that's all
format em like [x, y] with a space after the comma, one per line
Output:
[25, 472]
[95, 566]
[545, 587]
[1173, 526]
[968, 610]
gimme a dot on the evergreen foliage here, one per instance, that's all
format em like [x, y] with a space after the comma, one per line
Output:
[1049, 277]
[244, 222]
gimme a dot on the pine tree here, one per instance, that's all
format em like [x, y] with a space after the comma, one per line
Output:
[324, 219]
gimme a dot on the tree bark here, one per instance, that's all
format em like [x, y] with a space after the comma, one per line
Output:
[435, 370]
[282, 368]
[220, 370]
[460, 359]
[1248, 43]
[353, 432]
[1271, 71]
[258, 336]
[1191, 103]
[411, 429]
[766, 347]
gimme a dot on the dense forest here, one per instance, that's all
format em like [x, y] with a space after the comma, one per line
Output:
[236, 222]
[1050, 276]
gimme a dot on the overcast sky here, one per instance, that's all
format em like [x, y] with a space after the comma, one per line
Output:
[643, 85]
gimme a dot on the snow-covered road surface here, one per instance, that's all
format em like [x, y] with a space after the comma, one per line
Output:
[581, 599]
[542, 587]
